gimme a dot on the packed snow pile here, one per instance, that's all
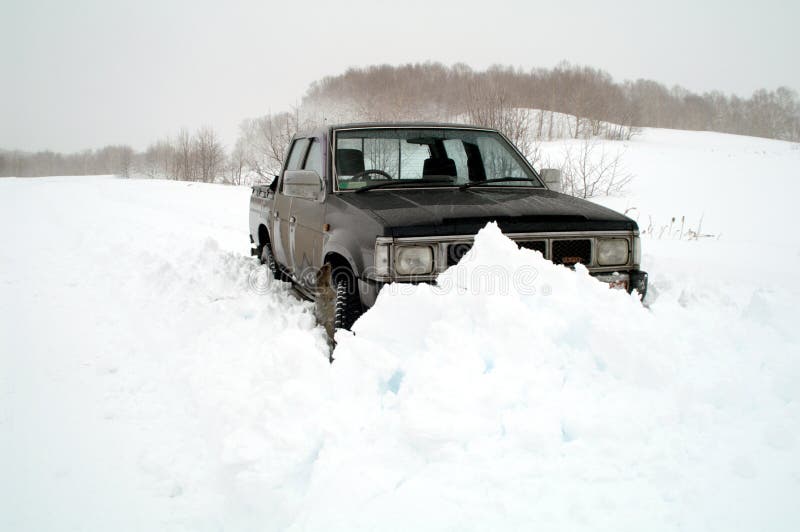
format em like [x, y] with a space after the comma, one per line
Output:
[518, 392]
[154, 377]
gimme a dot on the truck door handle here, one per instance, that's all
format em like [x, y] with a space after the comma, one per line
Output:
[292, 219]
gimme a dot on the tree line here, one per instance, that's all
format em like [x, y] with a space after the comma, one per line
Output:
[529, 106]
[198, 156]
[108, 160]
[590, 95]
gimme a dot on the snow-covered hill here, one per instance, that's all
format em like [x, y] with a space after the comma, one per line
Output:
[152, 377]
[739, 188]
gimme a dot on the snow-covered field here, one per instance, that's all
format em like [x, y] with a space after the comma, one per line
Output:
[735, 187]
[153, 378]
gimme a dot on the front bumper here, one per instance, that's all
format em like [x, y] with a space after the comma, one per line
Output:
[629, 281]
[639, 283]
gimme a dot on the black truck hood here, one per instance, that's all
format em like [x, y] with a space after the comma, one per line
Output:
[451, 211]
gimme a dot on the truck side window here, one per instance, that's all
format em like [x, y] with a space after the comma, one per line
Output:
[296, 155]
[314, 157]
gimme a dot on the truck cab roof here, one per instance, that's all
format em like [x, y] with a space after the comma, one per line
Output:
[328, 128]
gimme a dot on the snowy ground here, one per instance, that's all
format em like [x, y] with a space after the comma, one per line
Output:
[152, 378]
[735, 187]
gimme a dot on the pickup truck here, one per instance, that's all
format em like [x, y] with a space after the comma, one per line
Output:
[357, 206]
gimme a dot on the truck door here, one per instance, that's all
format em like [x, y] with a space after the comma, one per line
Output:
[281, 214]
[307, 217]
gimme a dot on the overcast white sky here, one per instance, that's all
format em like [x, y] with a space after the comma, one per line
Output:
[84, 73]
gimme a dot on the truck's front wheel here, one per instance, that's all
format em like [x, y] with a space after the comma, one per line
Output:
[348, 304]
[268, 259]
[337, 303]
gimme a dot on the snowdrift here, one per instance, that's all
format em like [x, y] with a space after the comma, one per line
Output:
[520, 393]
[153, 376]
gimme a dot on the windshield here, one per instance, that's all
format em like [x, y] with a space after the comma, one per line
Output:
[427, 157]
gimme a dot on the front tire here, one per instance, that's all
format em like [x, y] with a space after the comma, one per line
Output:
[268, 259]
[348, 303]
[337, 302]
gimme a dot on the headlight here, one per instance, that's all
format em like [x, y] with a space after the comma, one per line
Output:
[612, 251]
[637, 251]
[413, 260]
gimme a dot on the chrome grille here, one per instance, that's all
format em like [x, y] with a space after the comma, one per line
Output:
[558, 249]
[536, 245]
[456, 251]
[570, 252]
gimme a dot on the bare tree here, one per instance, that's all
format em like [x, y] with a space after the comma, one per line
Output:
[489, 107]
[263, 142]
[208, 154]
[236, 168]
[183, 164]
[157, 162]
[125, 161]
[589, 169]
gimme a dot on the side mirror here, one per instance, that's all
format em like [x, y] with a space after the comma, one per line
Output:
[551, 178]
[302, 184]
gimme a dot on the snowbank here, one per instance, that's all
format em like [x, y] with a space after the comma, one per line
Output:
[152, 376]
[558, 403]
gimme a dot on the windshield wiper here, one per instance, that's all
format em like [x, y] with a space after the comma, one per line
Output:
[465, 186]
[406, 184]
